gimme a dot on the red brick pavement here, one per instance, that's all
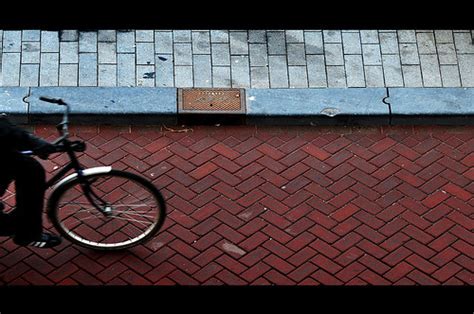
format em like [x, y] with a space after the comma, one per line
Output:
[285, 206]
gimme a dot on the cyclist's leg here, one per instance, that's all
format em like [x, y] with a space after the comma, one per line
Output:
[7, 227]
[30, 179]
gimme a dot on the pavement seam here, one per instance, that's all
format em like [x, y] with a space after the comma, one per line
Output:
[384, 100]
[27, 101]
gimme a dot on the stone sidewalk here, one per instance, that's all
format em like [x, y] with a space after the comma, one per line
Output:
[238, 58]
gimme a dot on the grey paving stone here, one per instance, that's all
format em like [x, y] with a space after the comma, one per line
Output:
[371, 54]
[333, 53]
[183, 76]
[68, 35]
[388, 43]
[68, 52]
[294, 36]
[447, 54]
[351, 43]
[314, 42]
[430, 71]
[316, 71]
[11, 41]
[220, 54]
[258, 54]
[406, 36]
[298, 77]
[49, 69]
[259, 77]
[257, 36]
[164, 70]
[164, 42]
[87, 42]
[146, 75]
[68, 74]
[202, 71]
[369, 36]
[409, 54]
[332, 36]
[336, 76]
[11, 69]
[315, 102]
[201, 42]
[88, 69]
[107, 52]
[240, 71]
[374, 76]
[439, 101]
[426, 43]
[125, 42]
[29, 75]
[107, 75]
[276, 43]
[412, 76]
[450, 76]
[30, 52]
[126, 69]
[392, 70]
[31, 35]
[463, 42]
[354, 70]
[145, 53]
[144, 36]
[278, 71]
[219, 36]
[296, 54]
[238, 43]
[221, 76]
[444, 36]
[182, 36]
[466, 64]
[183, 54]
[49, 41]
[107, 35]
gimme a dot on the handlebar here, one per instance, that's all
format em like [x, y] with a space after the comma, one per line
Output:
[58, 101]
[64, 125]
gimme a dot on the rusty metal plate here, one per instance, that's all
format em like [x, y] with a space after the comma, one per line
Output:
[211, 100]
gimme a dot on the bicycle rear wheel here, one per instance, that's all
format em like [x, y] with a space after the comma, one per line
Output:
[134, 211]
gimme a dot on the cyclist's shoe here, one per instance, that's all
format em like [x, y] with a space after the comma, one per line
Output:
[46, 240]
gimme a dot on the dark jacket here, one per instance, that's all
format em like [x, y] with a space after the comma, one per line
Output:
[14, 139]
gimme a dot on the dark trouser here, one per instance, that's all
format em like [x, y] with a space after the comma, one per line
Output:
[29, 177]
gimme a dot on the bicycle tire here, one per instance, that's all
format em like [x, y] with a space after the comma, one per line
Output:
[54, 210]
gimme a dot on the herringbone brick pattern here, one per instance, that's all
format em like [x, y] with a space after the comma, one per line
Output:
[283, 206]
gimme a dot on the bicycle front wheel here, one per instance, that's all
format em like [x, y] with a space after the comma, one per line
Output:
[128, 210]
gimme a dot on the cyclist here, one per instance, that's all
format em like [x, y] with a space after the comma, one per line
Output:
[24, 223]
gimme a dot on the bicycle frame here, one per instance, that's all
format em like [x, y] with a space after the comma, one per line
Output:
[69, 148]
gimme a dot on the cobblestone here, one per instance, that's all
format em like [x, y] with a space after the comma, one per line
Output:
[354, 71]
[30, 52]
[351, 43]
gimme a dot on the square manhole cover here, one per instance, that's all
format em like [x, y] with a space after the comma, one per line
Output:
[211, 100]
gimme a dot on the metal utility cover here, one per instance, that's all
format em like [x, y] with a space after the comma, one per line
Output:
[211, 100]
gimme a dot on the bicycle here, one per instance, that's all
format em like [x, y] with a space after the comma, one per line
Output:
[100, 208]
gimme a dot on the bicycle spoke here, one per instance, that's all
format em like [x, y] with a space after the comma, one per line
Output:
[131, 219]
